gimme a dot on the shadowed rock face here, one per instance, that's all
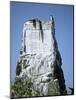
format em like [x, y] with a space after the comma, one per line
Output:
[40, 59]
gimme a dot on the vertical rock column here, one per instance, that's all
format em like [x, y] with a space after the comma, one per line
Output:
[41, 60]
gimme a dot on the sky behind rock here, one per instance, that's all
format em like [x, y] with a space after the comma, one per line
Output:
[63, 16]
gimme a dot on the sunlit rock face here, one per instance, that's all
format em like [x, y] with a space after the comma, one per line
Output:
[38, 36]
[40, 59]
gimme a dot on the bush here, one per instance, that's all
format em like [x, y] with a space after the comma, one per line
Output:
[23, 88]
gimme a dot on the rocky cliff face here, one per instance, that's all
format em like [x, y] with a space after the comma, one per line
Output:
[40, 60]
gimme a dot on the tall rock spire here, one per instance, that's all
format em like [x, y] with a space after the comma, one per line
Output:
[41, 62]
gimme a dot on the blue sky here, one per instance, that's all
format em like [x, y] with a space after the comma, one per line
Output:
[63, 16]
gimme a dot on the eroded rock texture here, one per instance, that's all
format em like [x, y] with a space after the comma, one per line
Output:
[40, 60]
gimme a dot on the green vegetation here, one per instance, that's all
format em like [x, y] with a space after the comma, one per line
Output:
[23, 88]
